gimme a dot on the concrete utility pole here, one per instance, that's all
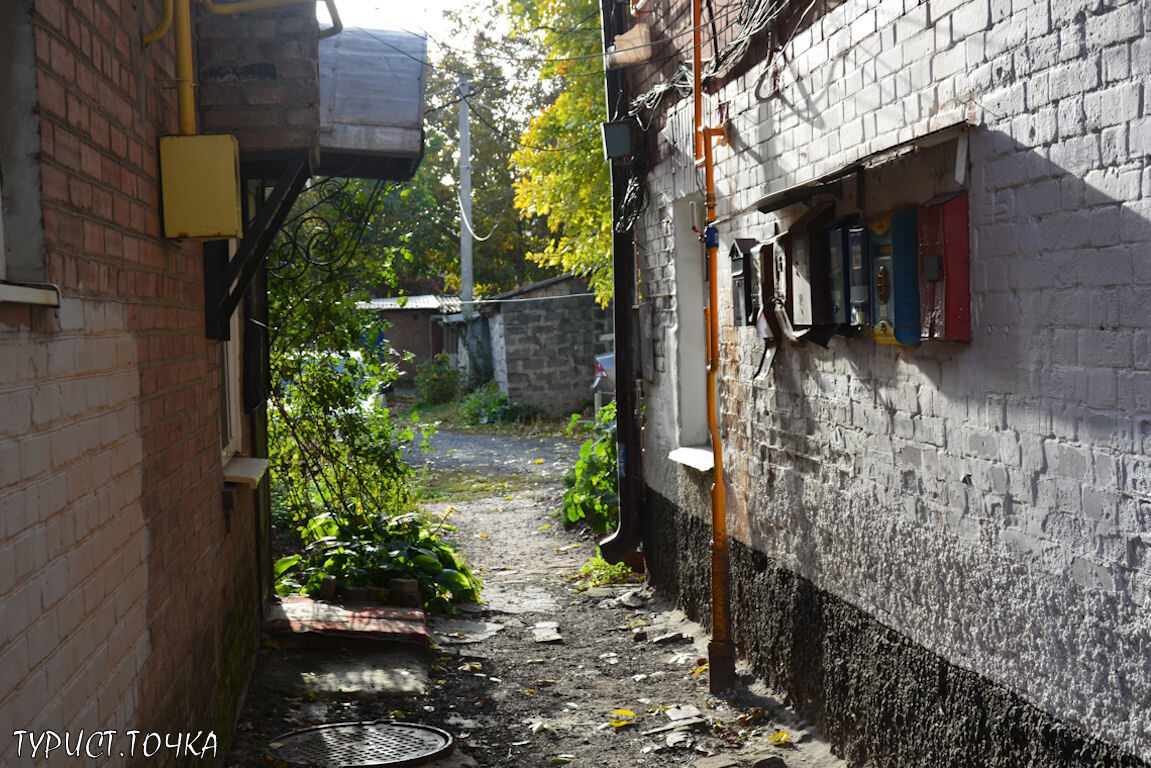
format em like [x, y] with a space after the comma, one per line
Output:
[465, 201]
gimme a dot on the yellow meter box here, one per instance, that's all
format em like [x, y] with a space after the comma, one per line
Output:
[200, 186]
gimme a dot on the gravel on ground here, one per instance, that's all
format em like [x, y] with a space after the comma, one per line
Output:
[545, 671]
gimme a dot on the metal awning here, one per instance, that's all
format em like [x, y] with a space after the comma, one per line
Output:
[830, 183]
[372, 104]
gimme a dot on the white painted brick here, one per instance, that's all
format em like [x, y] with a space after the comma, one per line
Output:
[1123, 103]
[1072, 43]
[1038, 19]
[973, 16]
[1113, 145]
[947, 63]
[1116, 63]
[1001, 11]
[1038, 55]
[1076, 154]
[1119, 25]
[1004, 36]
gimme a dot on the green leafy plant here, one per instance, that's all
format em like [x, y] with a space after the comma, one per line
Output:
[592, 494]
[578, 425]
[339, 480]
[487, 405]
[437, 380]
[369, 550]
[597, 572]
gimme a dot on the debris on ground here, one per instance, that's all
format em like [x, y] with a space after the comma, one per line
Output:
[624, 684]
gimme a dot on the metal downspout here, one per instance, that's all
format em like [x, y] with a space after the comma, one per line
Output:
[721, 654]
[623, 545]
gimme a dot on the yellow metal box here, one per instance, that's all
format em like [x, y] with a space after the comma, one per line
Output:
[200, 186]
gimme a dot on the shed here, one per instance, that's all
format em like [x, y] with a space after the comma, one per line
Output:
[412, 325]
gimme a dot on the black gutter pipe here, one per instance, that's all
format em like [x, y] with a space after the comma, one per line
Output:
[623, 545]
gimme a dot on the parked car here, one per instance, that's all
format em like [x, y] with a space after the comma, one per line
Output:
[604, 383]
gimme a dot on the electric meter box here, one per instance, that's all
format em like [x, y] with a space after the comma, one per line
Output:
[894, 248]
[858, 264]
[944, 269]
[200, 186]
[838, 271]
[810, 293]
[742, 255]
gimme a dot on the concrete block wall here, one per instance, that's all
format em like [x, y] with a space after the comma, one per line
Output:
[549, 347]
[128, 595]
[987, 501]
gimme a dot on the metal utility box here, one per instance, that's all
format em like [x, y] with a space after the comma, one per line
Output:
[858, 269]
[200, 186]
[810, 277]
[742, 297]
[894, 247]
[838, 272]
[944, 269]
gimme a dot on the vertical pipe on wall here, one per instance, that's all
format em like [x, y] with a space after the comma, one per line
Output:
[622, 545]
[185, 99]
[721, 655]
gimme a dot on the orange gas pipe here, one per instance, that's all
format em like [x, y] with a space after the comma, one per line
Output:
[721, 654]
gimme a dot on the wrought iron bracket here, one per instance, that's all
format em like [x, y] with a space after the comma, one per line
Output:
[225, 282]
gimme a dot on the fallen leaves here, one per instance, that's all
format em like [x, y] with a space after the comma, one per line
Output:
[621, 718]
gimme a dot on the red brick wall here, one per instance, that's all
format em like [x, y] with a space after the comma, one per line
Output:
[128, 596]
[411, 331]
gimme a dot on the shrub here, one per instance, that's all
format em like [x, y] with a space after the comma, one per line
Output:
[368, 550]
[487, 405]
[437, 380]
[592, 493]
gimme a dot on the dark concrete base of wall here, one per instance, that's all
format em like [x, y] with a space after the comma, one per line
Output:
[879, 698]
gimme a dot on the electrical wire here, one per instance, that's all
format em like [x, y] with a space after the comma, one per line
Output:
[468, 224]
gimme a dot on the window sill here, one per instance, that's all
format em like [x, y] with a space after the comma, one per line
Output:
[244, 470]
[697, 457]
[24, 294]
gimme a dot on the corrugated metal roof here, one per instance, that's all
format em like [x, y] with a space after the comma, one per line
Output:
[372, 102]
[445, 304]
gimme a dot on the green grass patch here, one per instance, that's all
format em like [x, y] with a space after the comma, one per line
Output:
[463, 484]
[454, 417]
[597, 572]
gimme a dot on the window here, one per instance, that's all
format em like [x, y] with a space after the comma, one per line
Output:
[231, 435]
[691, 333]
[3, 271]
[21, 217]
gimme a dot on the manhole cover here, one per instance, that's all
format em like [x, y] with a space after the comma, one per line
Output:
[356, 745]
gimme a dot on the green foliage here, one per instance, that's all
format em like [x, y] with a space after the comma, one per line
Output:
[487, 405]
[423, 215]
[592, 493]
[437, 380]
[562, 172]
[339, 479]
[577, 425]
[597, 572]
[366, 550]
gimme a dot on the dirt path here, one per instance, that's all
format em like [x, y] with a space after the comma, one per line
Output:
[514, 701]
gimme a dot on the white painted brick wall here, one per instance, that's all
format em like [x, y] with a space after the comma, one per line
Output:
[991, 501]
[70, 491]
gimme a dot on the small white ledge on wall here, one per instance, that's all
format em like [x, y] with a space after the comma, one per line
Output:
[244, 470]
[698, 457]
[25, 294]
